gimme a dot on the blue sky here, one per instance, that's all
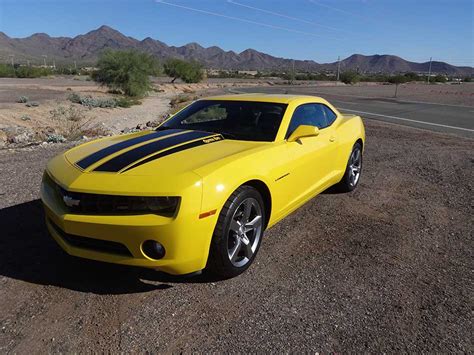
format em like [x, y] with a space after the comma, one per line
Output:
[319, 30]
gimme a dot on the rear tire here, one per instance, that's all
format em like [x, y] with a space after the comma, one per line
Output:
[238, 233]
[351, 177]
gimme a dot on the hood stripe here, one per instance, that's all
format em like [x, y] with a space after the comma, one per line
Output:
[123, 160]
[114, 148]
[176, 150]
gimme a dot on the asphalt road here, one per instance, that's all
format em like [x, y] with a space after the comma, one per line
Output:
[453, 119]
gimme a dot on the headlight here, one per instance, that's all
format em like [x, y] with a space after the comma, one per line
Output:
[112, 204]
[85, 203]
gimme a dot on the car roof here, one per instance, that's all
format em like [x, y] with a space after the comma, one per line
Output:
[260, 97]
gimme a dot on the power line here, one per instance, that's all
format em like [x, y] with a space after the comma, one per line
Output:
[282, 15]
[243, 20]
[336, 9]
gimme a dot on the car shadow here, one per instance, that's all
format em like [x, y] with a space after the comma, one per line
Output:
[28, 253]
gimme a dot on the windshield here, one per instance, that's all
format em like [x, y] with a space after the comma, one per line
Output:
[242, 120]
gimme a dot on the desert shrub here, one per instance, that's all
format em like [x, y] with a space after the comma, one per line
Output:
[23, 99]
[107, 102]
[189, 72]
[55, 138]
[126, 102]
[440, 79]
[349, 77]
[70, 121]
[127, 71]
[467, 79]
[32, 72]
[7, 71]
[397, 79]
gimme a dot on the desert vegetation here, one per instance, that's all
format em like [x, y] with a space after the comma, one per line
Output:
[126, 71]
[188, 71]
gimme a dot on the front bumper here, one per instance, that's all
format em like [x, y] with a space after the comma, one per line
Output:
[119, 239]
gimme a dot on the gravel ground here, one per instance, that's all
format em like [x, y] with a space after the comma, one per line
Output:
[386, 268]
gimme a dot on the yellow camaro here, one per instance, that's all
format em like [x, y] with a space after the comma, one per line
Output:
[200, 190]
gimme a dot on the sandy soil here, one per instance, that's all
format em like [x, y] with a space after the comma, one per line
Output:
[53, 92]
[387, 268]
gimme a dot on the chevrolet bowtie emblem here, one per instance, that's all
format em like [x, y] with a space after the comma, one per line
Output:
[71, 202]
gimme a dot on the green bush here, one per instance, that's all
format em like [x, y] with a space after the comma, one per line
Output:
[189, 72]
[7, 71]
[127, 71]
[349, 77]
[397, 79]
[32, 72]
[440, 79]
[467, 79]
[126, 102]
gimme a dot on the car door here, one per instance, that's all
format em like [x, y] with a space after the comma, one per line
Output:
[311, 165]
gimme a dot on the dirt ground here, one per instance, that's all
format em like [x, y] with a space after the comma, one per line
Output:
[387, 268]
[52, 92]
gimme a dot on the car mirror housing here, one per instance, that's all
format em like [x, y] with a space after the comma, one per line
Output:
[303, 131]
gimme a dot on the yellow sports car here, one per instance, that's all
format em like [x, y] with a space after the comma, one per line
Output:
[200, 190]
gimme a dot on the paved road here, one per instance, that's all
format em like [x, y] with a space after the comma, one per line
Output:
[458, 120]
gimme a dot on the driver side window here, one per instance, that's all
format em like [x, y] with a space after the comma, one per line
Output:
[307, 114]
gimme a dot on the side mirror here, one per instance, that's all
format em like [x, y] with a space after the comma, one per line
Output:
[303, 131]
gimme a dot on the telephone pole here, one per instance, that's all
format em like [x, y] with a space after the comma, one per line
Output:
[44, 59]
[338, 67]
[429, 70]
[12, 57]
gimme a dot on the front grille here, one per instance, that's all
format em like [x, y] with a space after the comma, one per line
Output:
[104, 246]
[90, 203]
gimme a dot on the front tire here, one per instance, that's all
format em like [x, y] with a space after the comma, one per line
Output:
[238, 233]
[351, 177]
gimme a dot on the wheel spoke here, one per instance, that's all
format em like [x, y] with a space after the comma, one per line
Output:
[254, 223]
[234, 252]
[247, 246]
[234, 226]
[247, 211]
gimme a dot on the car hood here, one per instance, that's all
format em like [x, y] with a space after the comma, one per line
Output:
[157, 153]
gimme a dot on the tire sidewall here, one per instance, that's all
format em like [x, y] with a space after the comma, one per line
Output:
[221, 235]
[347, 183]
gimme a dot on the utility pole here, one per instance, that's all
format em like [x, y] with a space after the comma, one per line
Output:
[12, 57]
[338, 68]
[75, 65]
[429, 70]
[292, 77]
[54, 63]
[44, 59]
[28, 62]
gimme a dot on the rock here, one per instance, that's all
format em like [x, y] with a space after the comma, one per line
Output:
[32, 104]
[22, 138]
[25, 118]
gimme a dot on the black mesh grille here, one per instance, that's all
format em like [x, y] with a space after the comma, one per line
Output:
[104, 246]
[87, 203]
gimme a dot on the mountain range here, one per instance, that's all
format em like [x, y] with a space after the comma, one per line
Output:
[85, 49]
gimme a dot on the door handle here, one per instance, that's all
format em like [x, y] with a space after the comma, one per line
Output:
[332, 139]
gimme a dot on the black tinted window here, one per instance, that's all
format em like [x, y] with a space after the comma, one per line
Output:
[245, 120]
[308, 114]
[330, 115]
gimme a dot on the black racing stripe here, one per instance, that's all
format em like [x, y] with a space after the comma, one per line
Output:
[125, 159]
[176, 149]
[114, 148]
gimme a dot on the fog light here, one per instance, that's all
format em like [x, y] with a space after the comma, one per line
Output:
[153, 249]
